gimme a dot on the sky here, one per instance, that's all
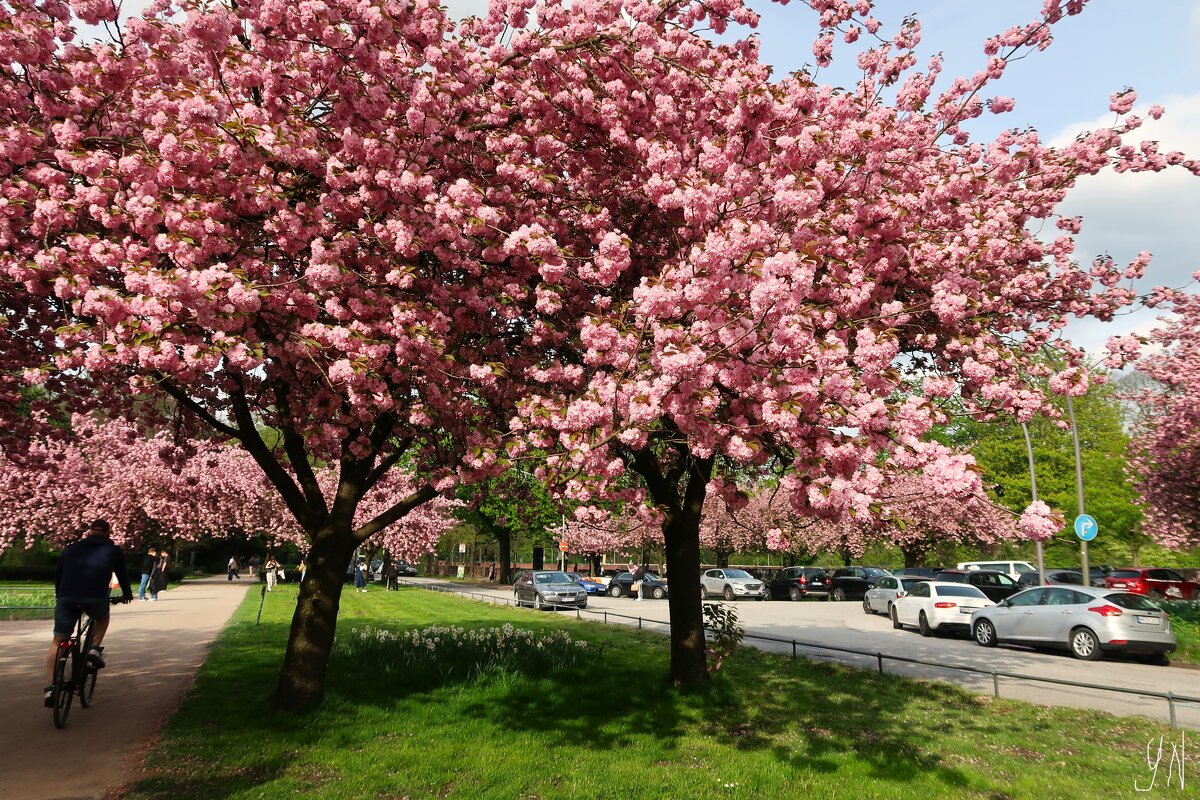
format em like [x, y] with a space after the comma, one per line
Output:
[1144, 44]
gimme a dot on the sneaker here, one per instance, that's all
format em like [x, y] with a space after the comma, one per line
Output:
[94, 658]
[48, 697]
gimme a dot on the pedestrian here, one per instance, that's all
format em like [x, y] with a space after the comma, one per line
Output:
[271, 572]
[232, 569]
[636, 587]
[160, 580]
[642, 588]
[253, 565]
[303, 568]
[391, 574]
[147, 569]
[492, 573]
[155, 575]
[360, 580]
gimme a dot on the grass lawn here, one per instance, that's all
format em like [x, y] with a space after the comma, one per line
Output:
[609, 727]
[26, 601]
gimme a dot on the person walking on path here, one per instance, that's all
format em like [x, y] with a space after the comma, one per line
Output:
[147, 570]
[232, 569]
[271, 572]
[158, 578]
[360, 580]
[253, 565]
[81, 587]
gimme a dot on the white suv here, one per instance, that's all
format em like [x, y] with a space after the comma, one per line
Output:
[1013, 568]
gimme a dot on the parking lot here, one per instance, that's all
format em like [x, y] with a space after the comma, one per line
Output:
[845, 625]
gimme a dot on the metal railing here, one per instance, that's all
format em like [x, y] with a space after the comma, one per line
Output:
[1170, 697]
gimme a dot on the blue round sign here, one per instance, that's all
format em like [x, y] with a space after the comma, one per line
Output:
[1086, 527]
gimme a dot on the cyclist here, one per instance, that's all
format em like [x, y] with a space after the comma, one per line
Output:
[81, 586]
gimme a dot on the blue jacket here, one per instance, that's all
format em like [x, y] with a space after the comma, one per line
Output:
[85, 567]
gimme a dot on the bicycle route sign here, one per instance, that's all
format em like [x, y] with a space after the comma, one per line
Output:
[1086, 527]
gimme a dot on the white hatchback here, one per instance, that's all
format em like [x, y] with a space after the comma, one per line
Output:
[932, 606]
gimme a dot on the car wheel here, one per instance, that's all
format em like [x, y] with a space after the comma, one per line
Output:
[517, 600]
[728, 593]
[839, 594]
[1084, 644]
[895, 619]
[867, 607]
[538, 605]
[766, 595]
[703, 593]
[923, 625]
[985, 633]
[794, 593]
[658, 593]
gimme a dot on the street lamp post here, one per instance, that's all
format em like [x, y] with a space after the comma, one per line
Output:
[1041, 555]
[1083, 545]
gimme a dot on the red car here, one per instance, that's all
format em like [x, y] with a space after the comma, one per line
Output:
[1157, 584]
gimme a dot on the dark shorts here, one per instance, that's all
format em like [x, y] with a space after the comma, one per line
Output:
[68, 609]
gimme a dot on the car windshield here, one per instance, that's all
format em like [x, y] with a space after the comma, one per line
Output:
[959, 591]
[738, 573]
[872, 572]
[551, 577]
[908, 583]
[1024, 568]
[1125, 573]
[1134, 602]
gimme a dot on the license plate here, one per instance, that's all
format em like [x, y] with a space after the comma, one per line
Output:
[967, 610]
[1118, 586]
[1147, 620]
[817, 583]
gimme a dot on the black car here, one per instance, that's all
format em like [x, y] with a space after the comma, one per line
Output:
[994, 584]
[916, 572]
[851, 583]
[1069, 577]
[797, 583]
[621, 585]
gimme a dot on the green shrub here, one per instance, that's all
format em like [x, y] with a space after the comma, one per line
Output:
[1188, 610]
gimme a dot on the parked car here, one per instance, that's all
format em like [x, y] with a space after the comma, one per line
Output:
[1012, 568]
[1155, 583]
[652, 585]
[548, 589]
[730, 584]
[405, 570]
[932, 606]
[1067, 577]
[851, 583]
[590, 585]
[797, 583]
[995, 585]
[916, 572]
[879, 598]
[1088, 622]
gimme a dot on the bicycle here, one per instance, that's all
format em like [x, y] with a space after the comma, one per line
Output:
[73, 674]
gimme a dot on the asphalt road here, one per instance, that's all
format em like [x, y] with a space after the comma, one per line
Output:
[814, 623]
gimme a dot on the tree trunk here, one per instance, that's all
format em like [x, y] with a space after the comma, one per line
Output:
[504, 545]
[722, 558]
[913, 556]
[310, 643]
[681, 532]
[594, 558]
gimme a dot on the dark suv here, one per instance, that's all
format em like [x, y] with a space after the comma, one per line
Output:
[993, 583]
[798, 583]
[851, 583]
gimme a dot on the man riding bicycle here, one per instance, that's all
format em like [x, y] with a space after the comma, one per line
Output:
[81, 586]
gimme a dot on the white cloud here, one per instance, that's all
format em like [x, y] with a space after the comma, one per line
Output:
[1124, 214]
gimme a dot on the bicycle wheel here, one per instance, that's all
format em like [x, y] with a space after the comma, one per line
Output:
[64, 685]
[86, 678]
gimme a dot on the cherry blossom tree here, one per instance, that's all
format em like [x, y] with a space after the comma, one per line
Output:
[594, 533]
[726, 531]
[1165, 451]
[823, 243]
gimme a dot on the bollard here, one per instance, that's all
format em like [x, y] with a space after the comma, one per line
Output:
[639, 623]
[880, 657]
[1171, 706]
[793, 649]
[995, 685]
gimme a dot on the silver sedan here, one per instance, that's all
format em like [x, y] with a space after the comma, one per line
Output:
[1088, 622]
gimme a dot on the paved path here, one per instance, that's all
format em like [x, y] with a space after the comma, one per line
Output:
[153, 651]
